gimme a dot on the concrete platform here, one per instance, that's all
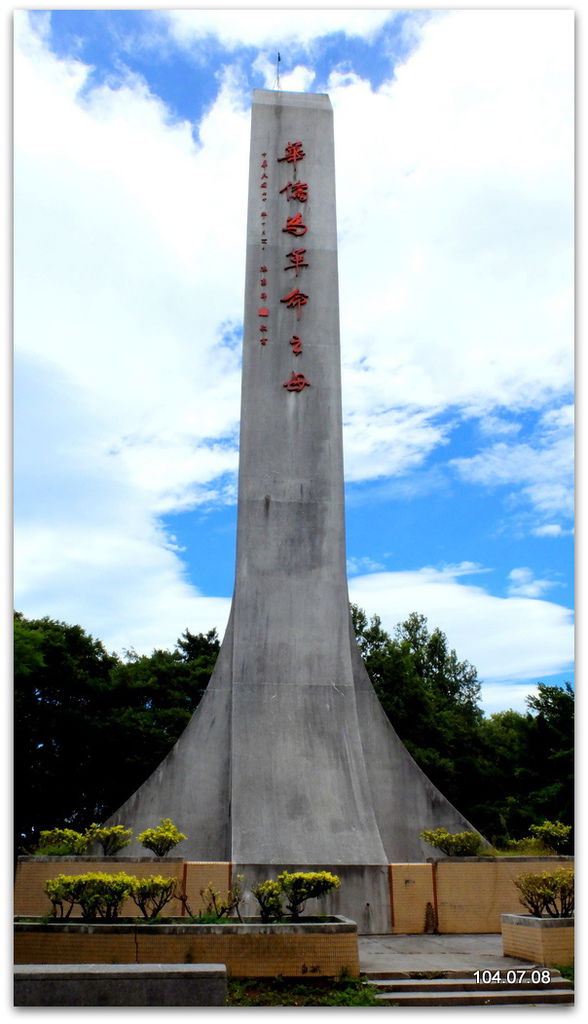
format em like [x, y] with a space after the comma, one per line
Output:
[399, 953]
[120, 985]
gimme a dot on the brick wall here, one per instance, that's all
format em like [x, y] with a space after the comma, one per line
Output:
[31, 874]
[539, 942]
[199, 875]
[411, 888]
[253, 954]
[467, 895]
[473, 893]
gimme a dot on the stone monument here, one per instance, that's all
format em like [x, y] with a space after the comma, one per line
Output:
[289, 760]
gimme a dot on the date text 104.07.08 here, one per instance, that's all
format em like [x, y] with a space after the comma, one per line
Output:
[522, 976]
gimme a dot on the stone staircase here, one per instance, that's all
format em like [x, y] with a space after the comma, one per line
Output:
[470, 988]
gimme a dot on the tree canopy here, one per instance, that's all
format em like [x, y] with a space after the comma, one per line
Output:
[91, 727]
[504, 772]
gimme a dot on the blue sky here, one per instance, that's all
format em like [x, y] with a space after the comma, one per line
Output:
[454, 150]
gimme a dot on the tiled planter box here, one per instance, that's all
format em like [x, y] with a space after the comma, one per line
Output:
[249, 950]
[543, 940]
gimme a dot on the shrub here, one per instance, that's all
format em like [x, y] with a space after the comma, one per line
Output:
[111, 838]
[152, 894]
[64, 889]
[161, 839]
[221, 906]
[61, 842]
[553, 834]
[547, 892]
[457, 844]
[99, 895]
[300, 886]
[269, 897]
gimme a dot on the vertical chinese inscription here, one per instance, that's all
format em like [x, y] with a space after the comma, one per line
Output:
[295, 192]
[263, 311]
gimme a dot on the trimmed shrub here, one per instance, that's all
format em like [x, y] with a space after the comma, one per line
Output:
[111, 838]
[161, 839]
[64, 892]
[300, 886]
[99, 895]
[553, 834]
[456, 844]
[547, 892]
[62, 842]
[152, 894]
[269, 897]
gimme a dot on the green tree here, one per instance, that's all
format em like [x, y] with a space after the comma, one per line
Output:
[62, 677]
[430, 697]
[505, 772]
[89, 727]
[504, 777]
[552, 753]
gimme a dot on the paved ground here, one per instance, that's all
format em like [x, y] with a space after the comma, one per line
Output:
[434, 953]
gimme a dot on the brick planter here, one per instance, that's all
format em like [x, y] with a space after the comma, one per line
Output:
[249, 950]
[543, 940]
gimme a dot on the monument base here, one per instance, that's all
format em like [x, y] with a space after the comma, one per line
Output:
[364, 895]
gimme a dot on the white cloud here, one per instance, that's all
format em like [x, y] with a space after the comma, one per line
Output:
[110, 219]
[454, 190]
[357, 565]
[264, 26]
[549, 530]
[124, 586]
[496, 425]
[543, 470]
[128, 389]
[506, 696]
[299, 79]
[523, 583]
[507, 638]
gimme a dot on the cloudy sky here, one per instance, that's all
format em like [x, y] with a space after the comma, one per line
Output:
[454, 136]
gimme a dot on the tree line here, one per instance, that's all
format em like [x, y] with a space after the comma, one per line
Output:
[90, 727]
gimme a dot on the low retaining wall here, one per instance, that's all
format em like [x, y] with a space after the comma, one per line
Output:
[192, 876]
[249, 950]
[542, 940]
[466, 895]
[117, 985]
[450, 895]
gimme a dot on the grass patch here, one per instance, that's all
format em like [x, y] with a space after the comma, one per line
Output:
[519, 848]
[291, 992]
[566, 971]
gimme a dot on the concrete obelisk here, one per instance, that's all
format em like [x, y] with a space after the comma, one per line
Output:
[289, 760]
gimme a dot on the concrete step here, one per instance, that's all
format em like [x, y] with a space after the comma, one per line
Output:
[555, 975]
[526, 997]
[461, 988]
[462, 984]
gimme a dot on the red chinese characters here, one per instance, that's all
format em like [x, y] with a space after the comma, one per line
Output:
[295, 300]
[296, 257]
[297, 382]
[294, 226]
[263, 311]
[296, 190]
[293, 153]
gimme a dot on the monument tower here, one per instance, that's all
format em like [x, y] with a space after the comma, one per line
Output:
[289, 760]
